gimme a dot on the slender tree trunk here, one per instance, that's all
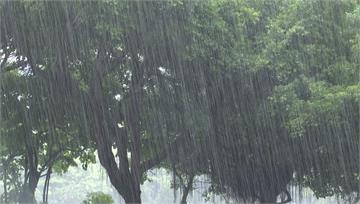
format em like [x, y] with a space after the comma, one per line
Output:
[5, 182]
[47, 185]
[187, 189]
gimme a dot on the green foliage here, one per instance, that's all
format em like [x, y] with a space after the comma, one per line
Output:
[98, 198]
[239, 83]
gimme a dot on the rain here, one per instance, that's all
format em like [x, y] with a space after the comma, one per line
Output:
[179, 101]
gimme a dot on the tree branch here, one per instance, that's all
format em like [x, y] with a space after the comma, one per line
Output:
[288, 197]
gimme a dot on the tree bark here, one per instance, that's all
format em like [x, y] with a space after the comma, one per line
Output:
[125, 180]
[47, 185]
[32, 176]
[28, 193]
[5, 182]
[267, 198]
[187, 189]
[133, 122]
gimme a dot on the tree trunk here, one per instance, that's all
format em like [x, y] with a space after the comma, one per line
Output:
[134, 198]
[125, 180]
[32, 176]
[267, 198]
[187, 189]
[5, 199]
[47, 185]
[133, 118]
[28, 193]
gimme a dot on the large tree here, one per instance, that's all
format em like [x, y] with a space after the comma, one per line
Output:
[97, 56]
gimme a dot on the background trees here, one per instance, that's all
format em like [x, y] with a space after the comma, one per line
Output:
[318, 73]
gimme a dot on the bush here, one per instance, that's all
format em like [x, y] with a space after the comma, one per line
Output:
[98, 198]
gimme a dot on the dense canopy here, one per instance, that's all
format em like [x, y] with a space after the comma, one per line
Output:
[256, 94]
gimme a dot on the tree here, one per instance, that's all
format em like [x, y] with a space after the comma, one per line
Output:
[83, 69]
[36, 141]
[38, 125]
[318, 77]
